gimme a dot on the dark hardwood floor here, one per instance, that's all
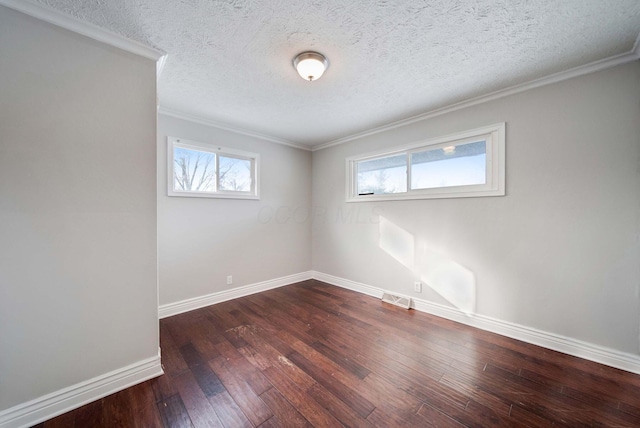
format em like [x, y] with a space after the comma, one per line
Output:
[311, 354]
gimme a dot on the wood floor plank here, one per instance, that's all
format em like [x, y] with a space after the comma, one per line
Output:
[146, 417]
[410, 378]
[371, 352]
[118, 410]
[344, 392]
[311, 354]
[598, 398]
[162, 387]
[373, 388]
[254, 357]
[312, 411]
[340, 410]
[252, 406]
[272, 422]
[204, 337]
[522, 417]
[240, 366]
[631, 409]
[225, 323]
[438, 418]
[172, 360]
[283, 410]
[342, 359]
[179, 327]
[209, 382]
[389, 418]
[422, 337]
[191, 355]
[424, 390]
[263, 345]
[352, 338]
[228, 411]
[496, 386]
[204, 376]
[173, 413]
[143, 405]
[388, 396]
[470, 390]
[195, 402]
[575, 411]
[317, 358]
[601, 391]
[534, 398]
[65, 420]
[270, 334]
[92, 415]
[264, 307]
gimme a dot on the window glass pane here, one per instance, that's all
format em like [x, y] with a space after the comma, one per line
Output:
[194, 170]
[460, 165]
[383, 175]
[235, 174]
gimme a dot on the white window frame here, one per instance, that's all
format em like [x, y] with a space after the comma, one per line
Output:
[494, 185]
[254, 193]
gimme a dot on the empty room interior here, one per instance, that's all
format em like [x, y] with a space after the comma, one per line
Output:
[319, 213]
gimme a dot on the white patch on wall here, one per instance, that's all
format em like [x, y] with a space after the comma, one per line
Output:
[448, 278]
[397, 242]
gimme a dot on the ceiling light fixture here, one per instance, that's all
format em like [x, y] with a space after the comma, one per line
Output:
[449, 150]
[310, 65]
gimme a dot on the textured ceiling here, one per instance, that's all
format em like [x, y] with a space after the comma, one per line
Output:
[230, 60]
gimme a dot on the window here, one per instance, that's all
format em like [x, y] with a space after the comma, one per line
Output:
[468, 164]
[203, 170]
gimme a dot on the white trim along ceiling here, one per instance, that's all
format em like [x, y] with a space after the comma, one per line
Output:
[229, 64]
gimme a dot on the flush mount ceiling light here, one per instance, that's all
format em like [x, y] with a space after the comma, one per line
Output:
[449, 150]
[310, 65]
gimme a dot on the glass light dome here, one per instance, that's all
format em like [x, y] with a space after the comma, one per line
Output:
[310, 65]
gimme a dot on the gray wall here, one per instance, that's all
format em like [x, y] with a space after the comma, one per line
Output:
[78, 288]
[202, 240]
[559, 253]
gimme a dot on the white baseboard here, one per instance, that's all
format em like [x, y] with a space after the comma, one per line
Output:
[348, 284]
[222, 296]
[567, 345]
[59, 402]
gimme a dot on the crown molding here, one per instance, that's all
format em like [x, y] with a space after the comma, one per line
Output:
[160, 63]
[52, 16]
[620, 59]
[208, 122]
[94, 32]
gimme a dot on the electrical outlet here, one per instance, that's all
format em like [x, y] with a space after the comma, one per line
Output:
[417, 287]
[229, 279]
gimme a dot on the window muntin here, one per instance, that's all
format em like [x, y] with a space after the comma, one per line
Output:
[468, 164]
[203, 170]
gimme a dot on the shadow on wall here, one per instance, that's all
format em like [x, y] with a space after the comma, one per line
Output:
[449, 279]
